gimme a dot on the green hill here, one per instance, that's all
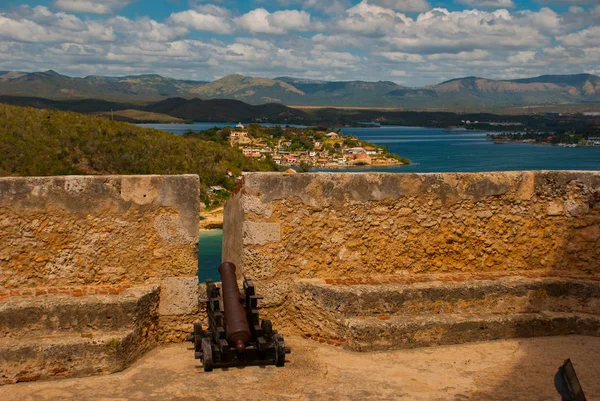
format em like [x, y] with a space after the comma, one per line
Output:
[472, 93]
[227, 110]
[139, 116]
[39, 142]
[547, 89]
[76, 105]
[172, 109]
[51, 84]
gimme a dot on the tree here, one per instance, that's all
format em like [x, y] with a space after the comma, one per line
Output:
[304, 166]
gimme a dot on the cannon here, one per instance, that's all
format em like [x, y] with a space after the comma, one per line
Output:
[235, 335]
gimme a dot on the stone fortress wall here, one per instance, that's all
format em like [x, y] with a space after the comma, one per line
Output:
[331, 251]
[96, 267]
[96, 270]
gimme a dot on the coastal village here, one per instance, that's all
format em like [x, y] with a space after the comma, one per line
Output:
[567, 140]
[305, 148]
[289, 149]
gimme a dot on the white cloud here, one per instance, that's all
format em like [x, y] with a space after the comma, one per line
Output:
[403, 5]
[463, 56]
[256, 21]
[587, 37]
[197, 21]
[39, 24]
[92, 6]
[521, 58]
[404, 57]
[369, 19]
[146, 28]
[545, 19]
[291, 20]
[331, 7]
[212, 9]
[440, 30]
[366, 10]
[488, 3]
[369, 40]
[279, 22]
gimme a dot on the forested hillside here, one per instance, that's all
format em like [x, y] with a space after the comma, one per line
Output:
[38, 142]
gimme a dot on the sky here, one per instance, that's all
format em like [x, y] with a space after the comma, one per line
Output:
[410, 42]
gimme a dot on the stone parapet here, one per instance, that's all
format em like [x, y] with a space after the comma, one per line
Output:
[338, 225]
[99, 230]
[356, 227]
[87, 235]
[94, 271]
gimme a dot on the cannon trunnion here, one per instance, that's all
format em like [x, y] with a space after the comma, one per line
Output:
[235, 335]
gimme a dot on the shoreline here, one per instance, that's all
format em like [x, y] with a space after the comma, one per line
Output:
[338, 167]
[211, 219]
[558, 145]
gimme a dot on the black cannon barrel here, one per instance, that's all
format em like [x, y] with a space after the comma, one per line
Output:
[236, 323]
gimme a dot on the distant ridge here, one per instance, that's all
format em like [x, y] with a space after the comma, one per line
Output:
[217, 110]
[467, 93]
[225, 110]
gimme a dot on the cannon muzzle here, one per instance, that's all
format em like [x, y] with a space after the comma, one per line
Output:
[236, 323]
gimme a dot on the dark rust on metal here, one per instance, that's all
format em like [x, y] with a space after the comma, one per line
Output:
[236, 322]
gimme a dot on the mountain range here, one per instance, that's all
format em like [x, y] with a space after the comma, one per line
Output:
[472, 93]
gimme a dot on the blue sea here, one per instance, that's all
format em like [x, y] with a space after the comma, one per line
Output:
[434, 150]
[209, 254]
[430, 150]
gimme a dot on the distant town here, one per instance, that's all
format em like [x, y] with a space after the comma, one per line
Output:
[566, 139]
[305, 148]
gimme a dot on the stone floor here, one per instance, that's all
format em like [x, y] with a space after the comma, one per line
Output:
[501, 370]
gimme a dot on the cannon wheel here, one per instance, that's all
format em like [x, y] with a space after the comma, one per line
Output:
[207, 360]
[267, 327]
[279, 350]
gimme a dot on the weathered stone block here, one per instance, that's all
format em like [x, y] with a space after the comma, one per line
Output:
[556, 208]
[261, 233]
[89, 230]
[139, 189]
[576, 207]
[178, 296]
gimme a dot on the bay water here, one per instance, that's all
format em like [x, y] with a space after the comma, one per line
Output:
[209, 254]
[435, 150]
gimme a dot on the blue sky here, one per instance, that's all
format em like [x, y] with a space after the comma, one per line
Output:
[411, 42]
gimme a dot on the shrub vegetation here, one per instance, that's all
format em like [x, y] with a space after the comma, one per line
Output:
[39, 142]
